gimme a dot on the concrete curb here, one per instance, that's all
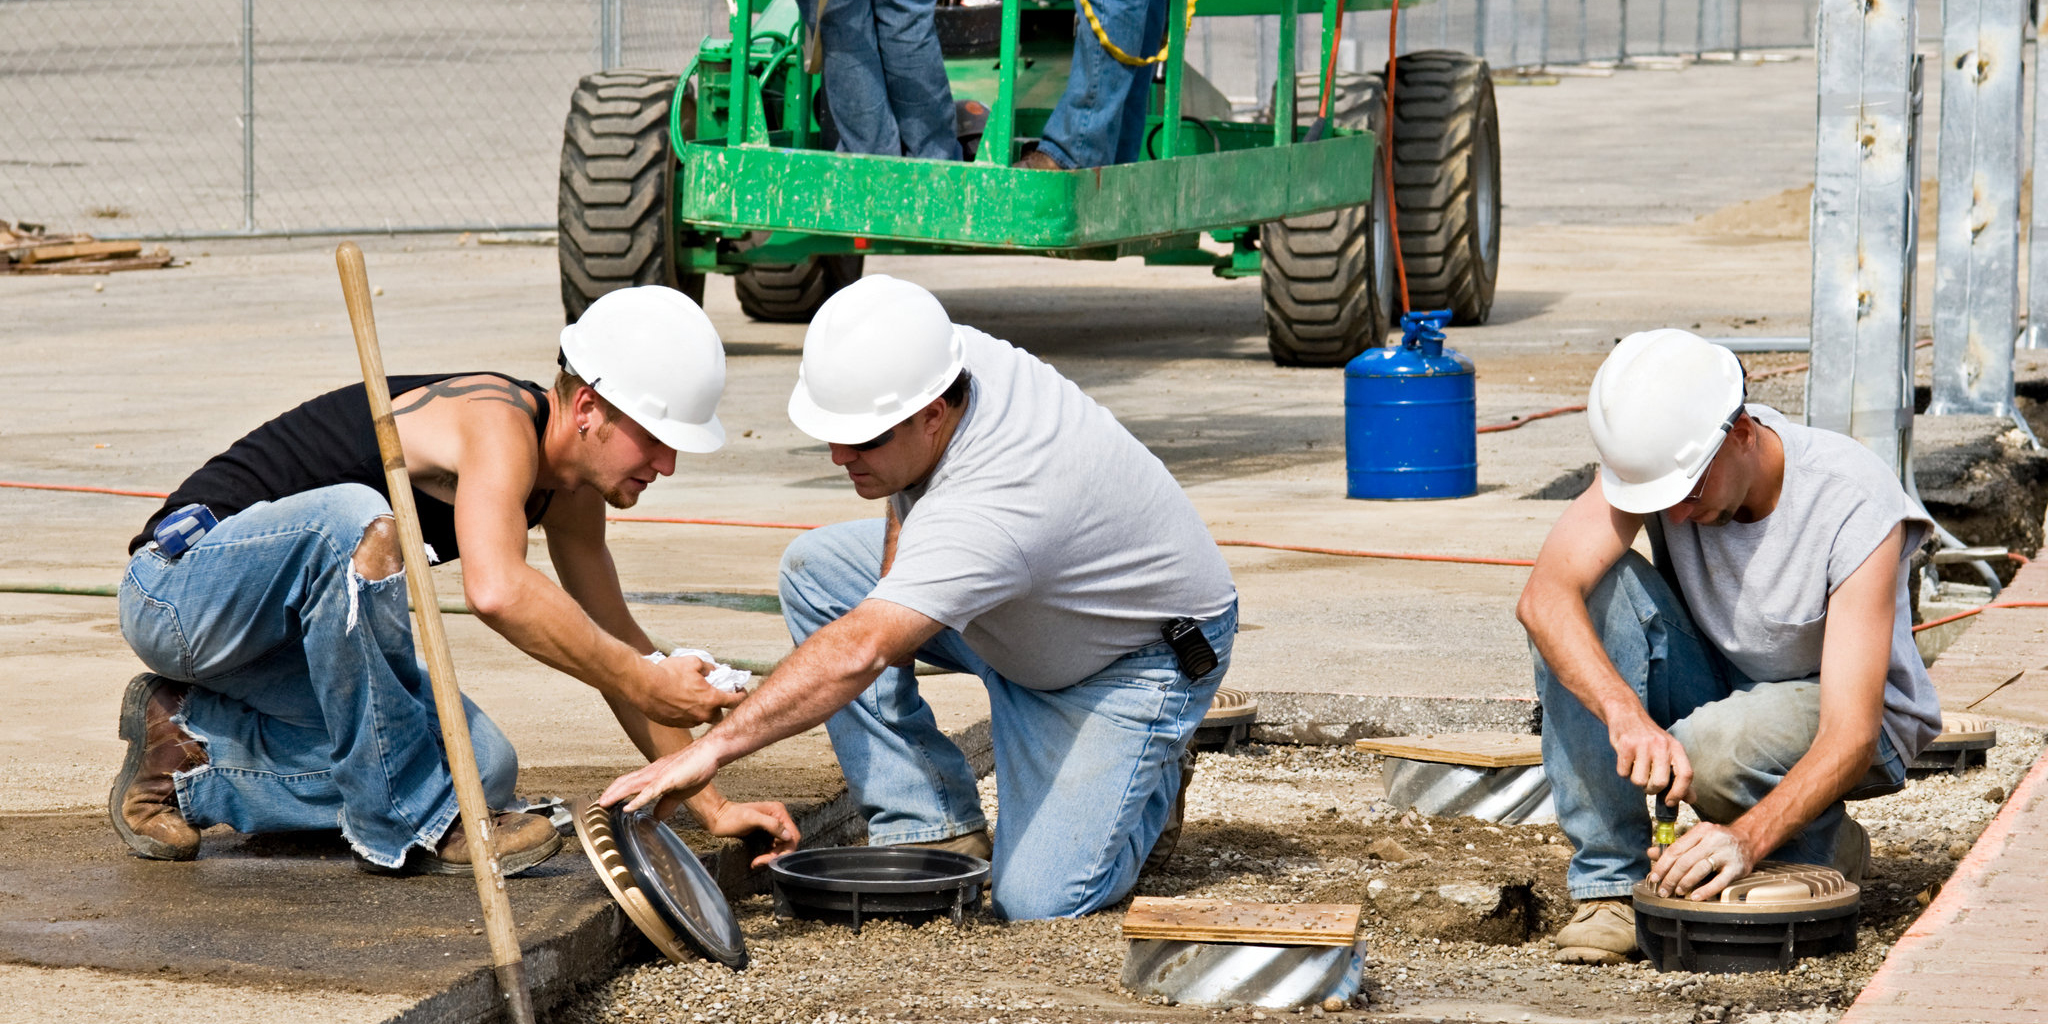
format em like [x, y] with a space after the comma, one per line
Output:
[600, 938]
[1331, 719]
[1962, 893]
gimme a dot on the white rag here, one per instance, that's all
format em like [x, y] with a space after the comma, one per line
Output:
[720, 676]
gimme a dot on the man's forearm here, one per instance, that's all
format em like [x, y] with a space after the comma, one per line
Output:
[821, 676]
[1831, 767]
[1562, 633]
[541, 619]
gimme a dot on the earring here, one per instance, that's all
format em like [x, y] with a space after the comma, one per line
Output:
[581, 430]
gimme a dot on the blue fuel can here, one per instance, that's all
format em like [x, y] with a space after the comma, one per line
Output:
[1410, 421]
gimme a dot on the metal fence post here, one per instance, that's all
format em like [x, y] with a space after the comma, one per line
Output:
[1976, 255]
[1479, 29]
[2036, 335]
[1737, 51]
[249, 115]
[1865, 225]
[611, 34]
[1543, 37]
[1621, 46]
[1699, 36]
[1582, 31]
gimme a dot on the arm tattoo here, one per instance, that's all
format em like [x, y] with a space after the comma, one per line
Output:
[490, 389]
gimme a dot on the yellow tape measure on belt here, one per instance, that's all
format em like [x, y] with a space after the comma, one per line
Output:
[1113, 50]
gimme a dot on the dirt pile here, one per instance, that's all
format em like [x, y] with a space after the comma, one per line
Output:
[1457, 914]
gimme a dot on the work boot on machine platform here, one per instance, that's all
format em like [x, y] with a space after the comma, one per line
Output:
[144, 801]
[1601, 932]
[973, 844]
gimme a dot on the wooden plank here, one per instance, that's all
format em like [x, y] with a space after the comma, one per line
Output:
[160, 258]
[1282, 924]
[80, 251]
[1476, 749]
[1976, 673]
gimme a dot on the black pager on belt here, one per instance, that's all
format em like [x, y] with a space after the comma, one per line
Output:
[1190, 647]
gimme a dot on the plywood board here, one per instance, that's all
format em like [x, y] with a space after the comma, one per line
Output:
[1285, 924]
[80, 250]
[1477, 749]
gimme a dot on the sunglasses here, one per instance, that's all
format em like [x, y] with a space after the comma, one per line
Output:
[875, 442]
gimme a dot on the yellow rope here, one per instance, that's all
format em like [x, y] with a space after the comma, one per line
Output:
[1117, 52]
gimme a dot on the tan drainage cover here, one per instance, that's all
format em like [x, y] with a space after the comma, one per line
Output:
[1964, 730]
[1231, 707]
[1773, 888]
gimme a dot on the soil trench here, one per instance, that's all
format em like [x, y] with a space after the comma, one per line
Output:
[1457, 917]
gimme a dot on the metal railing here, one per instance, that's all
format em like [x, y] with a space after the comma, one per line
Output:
[205, 118]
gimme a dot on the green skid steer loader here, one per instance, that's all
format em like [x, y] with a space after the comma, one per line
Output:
[727, 167]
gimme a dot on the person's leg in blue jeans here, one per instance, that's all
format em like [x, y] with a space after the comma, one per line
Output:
[911, 782]
[1658, 651]
[919, 95]
[885, 79]
[1086, 775]
[305, 690]
[1100, 119]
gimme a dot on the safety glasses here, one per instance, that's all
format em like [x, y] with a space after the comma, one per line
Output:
[1706, 460]
[879, 440]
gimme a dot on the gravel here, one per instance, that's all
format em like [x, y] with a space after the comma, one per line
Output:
[1294, 824]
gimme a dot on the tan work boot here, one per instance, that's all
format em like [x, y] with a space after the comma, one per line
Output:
[1169, 837]
[973, 844]
[1601, 932]
[524, 841]
[1037, 160]
[144, 800]
[1852, 851]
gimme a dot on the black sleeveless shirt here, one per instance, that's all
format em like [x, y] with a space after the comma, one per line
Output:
[328, 440]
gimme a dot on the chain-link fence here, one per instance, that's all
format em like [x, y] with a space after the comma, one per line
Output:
[198, 117]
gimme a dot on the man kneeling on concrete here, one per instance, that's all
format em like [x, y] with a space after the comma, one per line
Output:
[1768, 670]
[1031, 541]
[284, 693]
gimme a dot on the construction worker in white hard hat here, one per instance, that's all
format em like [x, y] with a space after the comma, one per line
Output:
[267, 599]
[1761, 670]
[1029, 540]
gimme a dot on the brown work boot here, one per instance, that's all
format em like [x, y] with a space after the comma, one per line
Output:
[1169, 837]
[144, 801]
[1601, 932]
[973, 844]
[1038, 160]
[524, 841]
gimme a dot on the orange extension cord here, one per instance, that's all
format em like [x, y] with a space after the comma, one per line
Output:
[1399, 556]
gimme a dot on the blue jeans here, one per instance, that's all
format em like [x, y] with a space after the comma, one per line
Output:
[1086, 775]
[314, 709]
[885, 79]
[1741, 735]
[1100, 119]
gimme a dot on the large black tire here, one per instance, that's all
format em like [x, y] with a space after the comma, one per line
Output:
[1447, 181]
[1328, 277]
[792, 292]
[617, 198]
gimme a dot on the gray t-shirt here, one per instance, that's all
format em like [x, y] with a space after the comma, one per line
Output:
[1760, 590]
[1047, 535]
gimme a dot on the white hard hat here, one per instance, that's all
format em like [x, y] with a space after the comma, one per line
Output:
[652, 353]
[1660, 407]
[877, 351]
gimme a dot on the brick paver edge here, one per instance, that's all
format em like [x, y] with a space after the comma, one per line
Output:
[1962, 889]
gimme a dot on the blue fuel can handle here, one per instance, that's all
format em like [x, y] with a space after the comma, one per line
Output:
[1410, 420]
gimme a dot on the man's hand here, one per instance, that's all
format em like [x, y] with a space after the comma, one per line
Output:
[1648, 756]
[676, 777]
[731, 819]
[1701, 863]
[673, 692]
